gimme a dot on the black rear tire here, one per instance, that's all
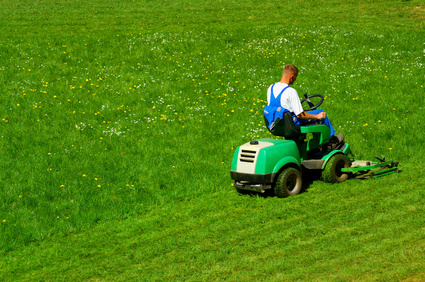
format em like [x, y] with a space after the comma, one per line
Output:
[332, 172]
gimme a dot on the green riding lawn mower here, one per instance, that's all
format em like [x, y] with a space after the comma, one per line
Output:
[280, 165]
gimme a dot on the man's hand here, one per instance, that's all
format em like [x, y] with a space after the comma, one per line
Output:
[308, 116]
[321, 115]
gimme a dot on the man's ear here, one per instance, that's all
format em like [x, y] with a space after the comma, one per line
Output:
[291, 78]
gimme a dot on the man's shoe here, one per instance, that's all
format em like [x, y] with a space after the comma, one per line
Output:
[335, 141]
[340, 137]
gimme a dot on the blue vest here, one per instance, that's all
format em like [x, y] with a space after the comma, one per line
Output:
[274, 110]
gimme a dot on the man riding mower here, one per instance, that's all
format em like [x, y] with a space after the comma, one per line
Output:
[309, 145]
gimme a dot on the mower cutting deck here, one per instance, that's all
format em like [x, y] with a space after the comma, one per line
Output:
[368, 169]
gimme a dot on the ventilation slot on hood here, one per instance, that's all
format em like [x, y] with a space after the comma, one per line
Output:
[247, 156]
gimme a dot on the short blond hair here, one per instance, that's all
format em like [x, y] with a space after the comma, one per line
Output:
[290, 69]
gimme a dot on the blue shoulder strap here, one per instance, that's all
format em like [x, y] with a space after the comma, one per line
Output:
[274, 100]
[274, 110]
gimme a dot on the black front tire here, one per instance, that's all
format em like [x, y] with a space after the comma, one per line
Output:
[288, 183]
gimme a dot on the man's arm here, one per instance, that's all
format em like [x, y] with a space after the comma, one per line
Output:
[305, 115]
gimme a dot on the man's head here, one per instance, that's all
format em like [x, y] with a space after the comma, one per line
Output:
[290, 73]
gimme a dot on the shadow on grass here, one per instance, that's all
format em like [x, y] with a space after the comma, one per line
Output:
[309, 177]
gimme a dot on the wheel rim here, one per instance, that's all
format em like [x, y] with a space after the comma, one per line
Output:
[291, 182]
[339, 166]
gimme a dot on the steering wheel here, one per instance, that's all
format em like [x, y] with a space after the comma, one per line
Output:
[310, 103]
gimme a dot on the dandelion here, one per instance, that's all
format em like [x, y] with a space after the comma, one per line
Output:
[4, 220]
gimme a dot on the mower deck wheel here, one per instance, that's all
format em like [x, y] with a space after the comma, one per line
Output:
[288, 183]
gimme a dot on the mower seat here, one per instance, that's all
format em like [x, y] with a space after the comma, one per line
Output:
[286, 128]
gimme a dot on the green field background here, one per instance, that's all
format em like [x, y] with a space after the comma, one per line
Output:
[119, 120]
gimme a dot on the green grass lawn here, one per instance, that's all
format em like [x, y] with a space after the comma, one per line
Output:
[119, 120]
